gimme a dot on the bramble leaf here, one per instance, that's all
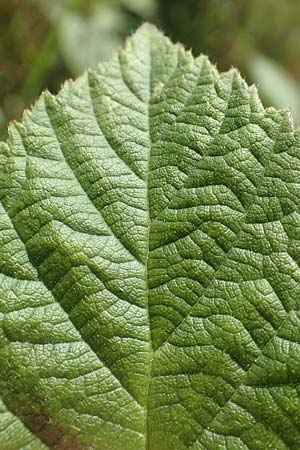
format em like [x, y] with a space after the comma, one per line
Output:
[149, 262]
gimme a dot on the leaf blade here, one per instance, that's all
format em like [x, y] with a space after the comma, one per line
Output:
[149, 240]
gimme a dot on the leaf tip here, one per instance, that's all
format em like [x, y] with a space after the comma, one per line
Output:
[147, 27]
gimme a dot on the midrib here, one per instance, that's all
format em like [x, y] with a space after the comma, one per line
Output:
[147, 445]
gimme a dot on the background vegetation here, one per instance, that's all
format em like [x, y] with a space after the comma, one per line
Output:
[43, 42]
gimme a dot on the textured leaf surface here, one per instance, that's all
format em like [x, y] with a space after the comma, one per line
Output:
[149, 262]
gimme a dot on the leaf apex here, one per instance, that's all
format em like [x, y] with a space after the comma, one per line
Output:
[147, 27]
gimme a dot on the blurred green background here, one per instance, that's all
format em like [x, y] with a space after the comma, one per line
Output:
[43, 42]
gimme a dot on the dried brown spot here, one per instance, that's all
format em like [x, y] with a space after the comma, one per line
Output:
[53, 435]
[68, 444]
[37, 422]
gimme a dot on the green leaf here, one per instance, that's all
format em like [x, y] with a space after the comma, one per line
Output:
[149, 269]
